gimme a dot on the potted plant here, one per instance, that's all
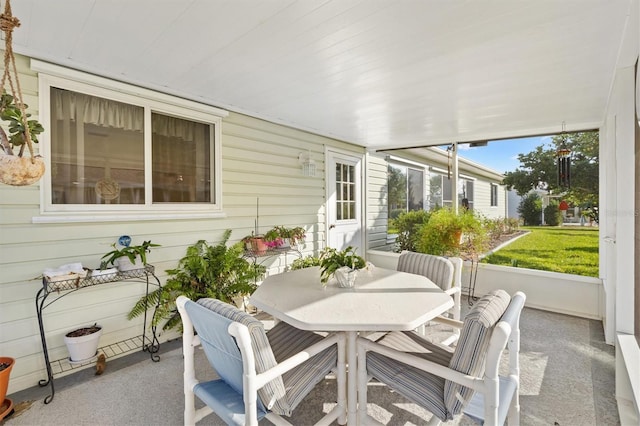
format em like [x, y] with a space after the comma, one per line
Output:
[14, 168]
[295, 235]
[449, 234]
[282, 236]
[82, 343]
[6, 364]
[273, 237]
[255, 244]
[217, 271]
[343, 264]
[128, 257]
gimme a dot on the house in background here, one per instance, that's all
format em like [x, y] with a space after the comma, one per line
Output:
[198, 109]
[424, 182]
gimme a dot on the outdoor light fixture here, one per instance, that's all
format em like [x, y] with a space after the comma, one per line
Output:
[307, 164]
[564, 162]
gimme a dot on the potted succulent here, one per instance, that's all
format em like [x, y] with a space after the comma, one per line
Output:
[344, 265]
[14, 168]
[128, 257]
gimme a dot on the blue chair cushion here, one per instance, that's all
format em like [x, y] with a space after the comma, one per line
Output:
[273, 394]
[224, 401]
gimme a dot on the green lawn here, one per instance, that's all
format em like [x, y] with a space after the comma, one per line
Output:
[571, 250]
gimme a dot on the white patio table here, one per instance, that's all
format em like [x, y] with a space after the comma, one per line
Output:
[381, 300]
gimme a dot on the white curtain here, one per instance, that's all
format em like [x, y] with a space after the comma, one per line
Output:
[118, 115]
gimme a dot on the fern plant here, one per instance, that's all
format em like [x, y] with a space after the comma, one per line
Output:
[216, 271]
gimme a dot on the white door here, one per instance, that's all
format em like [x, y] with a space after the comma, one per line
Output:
[344, 201]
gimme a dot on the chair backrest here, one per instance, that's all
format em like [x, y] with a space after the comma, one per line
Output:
[471, 351]
[211, 319]
[437, 268]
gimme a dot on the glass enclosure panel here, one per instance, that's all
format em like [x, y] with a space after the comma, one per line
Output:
[97, 150]
[416, 189]
[435, 191]
[397, 190]
[181, 159]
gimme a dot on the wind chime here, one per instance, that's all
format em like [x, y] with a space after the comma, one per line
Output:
[564, 162]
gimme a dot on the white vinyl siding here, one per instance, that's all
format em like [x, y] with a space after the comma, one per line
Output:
[376, 198]
[259, 160]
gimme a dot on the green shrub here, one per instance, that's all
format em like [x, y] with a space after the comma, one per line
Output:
[447, 234]
[305, 262]
[408, 224]
[530, 209]
[552, 215]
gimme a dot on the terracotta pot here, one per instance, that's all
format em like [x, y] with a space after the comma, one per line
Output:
[20, 171]
[257, 246]
[4, 376]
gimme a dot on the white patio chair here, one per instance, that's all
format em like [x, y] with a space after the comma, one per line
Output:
[446, 381]
[262, 375]
[445, 272]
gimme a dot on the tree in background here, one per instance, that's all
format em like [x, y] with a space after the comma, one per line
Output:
[538, 169]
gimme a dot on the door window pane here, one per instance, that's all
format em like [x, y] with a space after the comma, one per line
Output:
[345, 192]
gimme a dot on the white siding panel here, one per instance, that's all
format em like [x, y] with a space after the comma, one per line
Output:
[377, 212]
[259, 159]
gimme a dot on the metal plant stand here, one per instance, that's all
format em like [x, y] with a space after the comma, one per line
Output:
[60, 289]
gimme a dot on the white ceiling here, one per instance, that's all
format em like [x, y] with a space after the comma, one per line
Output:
[379, 73]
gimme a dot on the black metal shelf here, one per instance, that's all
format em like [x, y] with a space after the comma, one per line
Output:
[58, 289]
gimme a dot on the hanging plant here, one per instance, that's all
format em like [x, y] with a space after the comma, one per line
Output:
[14, 168]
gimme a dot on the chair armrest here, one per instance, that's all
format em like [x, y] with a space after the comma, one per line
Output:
[453, 290]
[448, 321]
[299, 358]
[447, 373]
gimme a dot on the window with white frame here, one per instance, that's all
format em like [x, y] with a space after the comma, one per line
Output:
[406, 189]
[441, 194]
[110, 150]
[494, 195]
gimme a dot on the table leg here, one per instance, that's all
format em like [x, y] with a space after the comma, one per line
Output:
[352, 394]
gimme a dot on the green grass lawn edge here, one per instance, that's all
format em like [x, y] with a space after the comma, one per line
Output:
[569, 250]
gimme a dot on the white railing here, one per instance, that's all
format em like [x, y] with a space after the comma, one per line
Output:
[563, 293]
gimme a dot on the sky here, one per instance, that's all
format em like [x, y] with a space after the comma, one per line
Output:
[502, 156]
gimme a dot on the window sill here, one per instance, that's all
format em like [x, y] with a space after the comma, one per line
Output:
[124, 217]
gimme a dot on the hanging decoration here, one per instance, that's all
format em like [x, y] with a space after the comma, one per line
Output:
[15, 169]
[564, 162]
[450, 148]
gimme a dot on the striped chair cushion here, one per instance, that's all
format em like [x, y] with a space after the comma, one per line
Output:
[287, 341]
[470, 352]
[438, 269]
[273, 394]
[416, 385]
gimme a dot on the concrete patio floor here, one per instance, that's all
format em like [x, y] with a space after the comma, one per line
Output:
[567, 379]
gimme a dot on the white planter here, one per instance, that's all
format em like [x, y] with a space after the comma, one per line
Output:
[124, 264]
[346, 276]
[83, 348]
